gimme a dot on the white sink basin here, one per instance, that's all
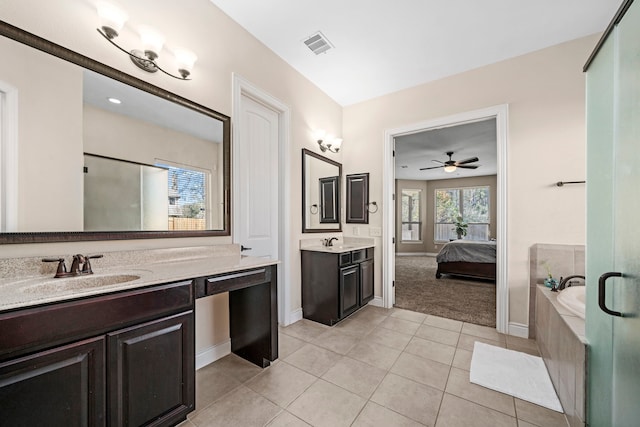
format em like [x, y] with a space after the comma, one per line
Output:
[73, 283]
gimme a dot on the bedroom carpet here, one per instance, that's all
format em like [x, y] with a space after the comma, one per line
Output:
[467, 300]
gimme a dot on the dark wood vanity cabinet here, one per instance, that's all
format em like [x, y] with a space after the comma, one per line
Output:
[334, 285]
[150, 373]
[63, 386]
[120, 359]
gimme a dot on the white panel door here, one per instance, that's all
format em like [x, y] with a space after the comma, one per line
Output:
[256, 189]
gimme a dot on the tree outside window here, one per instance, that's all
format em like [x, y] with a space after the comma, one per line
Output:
[471, 203]
[411, 223]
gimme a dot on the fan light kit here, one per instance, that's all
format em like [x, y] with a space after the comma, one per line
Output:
[452, 165]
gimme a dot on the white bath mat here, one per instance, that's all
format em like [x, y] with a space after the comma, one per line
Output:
[515, 373]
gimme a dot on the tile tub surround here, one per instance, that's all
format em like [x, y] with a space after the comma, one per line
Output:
[153, 266]
[564, 260]
[561, 339]
[391, 375]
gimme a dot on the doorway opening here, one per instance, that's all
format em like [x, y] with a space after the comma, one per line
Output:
[446, 218]
[440, 229]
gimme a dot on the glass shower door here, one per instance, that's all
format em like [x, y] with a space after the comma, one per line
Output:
[599, 248]
[626, 290]
[613, 233]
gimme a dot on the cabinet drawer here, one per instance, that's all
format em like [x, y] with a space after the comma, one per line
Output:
[233, 281]
[369, 254]
[46, 326]
[359, 255]
[345, 258]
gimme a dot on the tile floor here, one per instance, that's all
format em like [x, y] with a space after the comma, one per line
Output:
[377, 368]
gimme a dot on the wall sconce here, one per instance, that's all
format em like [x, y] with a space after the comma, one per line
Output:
[112, 20]
[327, 142]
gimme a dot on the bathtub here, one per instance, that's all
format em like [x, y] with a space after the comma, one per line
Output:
[573, 299]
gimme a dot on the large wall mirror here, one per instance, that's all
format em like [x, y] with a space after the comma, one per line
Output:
[321, 178]
[153, 165]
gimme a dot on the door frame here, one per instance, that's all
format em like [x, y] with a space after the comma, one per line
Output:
[501, 114]
[242, 87]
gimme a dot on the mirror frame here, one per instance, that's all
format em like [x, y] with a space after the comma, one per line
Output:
[338, 195]
[29, 39]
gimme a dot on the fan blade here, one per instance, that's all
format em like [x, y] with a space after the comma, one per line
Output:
[465, 161]
[468, 166]
[437, 161]
[433, 167]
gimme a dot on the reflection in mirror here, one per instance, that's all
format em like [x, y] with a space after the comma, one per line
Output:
[329, 194]
[73, 115]
[321, 178]
[185, 142]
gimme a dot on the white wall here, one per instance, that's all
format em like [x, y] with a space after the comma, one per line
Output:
[546, 144]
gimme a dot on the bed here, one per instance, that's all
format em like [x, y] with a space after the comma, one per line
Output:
[468, 258]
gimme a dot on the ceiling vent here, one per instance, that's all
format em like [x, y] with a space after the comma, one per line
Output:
[318, 43]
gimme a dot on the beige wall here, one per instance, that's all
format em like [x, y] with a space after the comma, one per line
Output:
[223, 48]
[544, 90]
[51, 132]
[478, 181]
[546, 143]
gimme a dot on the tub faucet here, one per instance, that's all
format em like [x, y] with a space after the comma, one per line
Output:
[329, 242]
[565, 282]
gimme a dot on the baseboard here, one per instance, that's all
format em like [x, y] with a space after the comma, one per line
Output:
[376, 301]
[518, 330]
[295, 315]
[411, 253]
[212, 354]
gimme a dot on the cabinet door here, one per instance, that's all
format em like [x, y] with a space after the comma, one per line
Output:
[366, 282]
[59, 387]
[349, 290]
[152, 372]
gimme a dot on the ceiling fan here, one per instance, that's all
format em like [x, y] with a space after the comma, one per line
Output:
[451, 165]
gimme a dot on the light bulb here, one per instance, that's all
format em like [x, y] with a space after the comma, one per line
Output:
[450, 168]
[112, 18]
[185, 59]
[152, 41]
[336, 144]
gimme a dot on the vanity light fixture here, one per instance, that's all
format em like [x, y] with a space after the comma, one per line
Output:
[327, 142]
[112, 20]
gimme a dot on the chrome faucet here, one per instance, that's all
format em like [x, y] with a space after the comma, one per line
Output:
[329, 242]
[564, 282]
[75, 270]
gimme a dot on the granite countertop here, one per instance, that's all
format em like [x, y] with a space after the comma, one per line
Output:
[19, 289]
[347, 244]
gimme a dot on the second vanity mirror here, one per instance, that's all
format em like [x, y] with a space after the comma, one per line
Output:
[321, 178]
[152, 165]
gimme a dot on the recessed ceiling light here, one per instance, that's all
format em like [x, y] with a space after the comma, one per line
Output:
[114, 100]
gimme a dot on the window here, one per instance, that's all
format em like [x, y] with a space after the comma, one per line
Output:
[411, 224]
[188, 204]
[471, 203]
